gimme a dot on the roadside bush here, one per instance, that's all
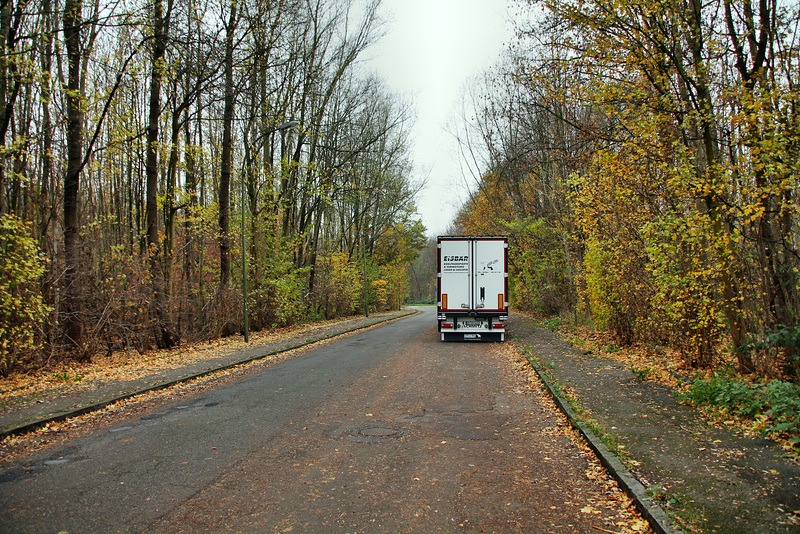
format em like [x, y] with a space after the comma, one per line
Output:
[279, 301]
[338, 286]
[686, 281]
[277, 297]
[617, 289]
[772, 406]
[540, 272]
[774, 350]
[394, 292]
[22, 308]
[122, 296]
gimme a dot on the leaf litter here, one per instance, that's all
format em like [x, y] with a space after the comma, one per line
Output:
[665, 366]
[69, 376]
[616, 510]
[620, 510]
[28, 387]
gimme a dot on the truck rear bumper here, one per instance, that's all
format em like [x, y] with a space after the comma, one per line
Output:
[473, 336]
[472, 327]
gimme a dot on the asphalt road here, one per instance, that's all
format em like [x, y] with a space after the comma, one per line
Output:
[387, 430]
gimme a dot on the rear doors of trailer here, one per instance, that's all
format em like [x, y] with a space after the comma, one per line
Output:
[473, 287]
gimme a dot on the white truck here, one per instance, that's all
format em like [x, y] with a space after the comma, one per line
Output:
[472, 288]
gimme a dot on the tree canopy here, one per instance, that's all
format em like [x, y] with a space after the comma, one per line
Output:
[652, 150]
[170, 157]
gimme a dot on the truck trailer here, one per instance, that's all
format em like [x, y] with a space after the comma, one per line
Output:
[472, 288]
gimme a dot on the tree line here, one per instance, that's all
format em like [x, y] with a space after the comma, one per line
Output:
[161, 160]
[645, 159]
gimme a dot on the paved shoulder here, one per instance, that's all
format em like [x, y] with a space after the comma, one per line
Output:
[21, 414]
[389, 430]
[715, 480]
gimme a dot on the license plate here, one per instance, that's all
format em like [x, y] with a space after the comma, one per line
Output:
[473, 324]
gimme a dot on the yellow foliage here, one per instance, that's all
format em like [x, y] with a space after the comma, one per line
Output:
[22, 308]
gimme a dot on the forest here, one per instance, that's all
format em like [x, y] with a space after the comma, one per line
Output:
[180, 170]
[644, 158]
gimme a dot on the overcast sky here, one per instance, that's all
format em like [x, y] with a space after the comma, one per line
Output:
[431, 50]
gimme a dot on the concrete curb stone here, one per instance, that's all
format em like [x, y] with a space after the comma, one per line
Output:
[712, 478]
[658, 519]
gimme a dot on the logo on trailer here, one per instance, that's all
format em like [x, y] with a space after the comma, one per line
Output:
[455, 264]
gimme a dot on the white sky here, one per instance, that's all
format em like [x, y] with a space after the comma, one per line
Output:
[431, 50]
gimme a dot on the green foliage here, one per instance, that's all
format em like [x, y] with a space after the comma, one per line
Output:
[687, 202]
[422, 275]
[391, 289]
[641, 373]
[782, 343]
[65, 376]
[773, 404]
[611, 204]
[552, 324]
[278, 294]
[22, 308]
[280, 299]
[539, 267]
[400, 243]
[686, 277]
[395, 252]
[339, 285]
[601, 288]
[616, 289]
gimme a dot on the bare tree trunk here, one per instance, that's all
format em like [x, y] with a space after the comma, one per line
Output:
[10, 84]
[190, 189]
[46, 210]
[46, 198]
[73, 329]
[779, 280]
[165, 336]
[170, 209]
[226, 158]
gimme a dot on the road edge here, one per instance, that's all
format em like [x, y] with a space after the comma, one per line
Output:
[31, 426]
[658, 519]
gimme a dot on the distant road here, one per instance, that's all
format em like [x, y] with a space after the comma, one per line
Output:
[387, 430]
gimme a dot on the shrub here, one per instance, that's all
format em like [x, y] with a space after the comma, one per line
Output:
[539, 268]
[277, 297]
[121, 300]
[772, 405]
[777, 348]
[338, 286]
[22, 308]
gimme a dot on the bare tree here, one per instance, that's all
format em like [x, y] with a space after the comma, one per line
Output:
[72, 35]
[166, 336]
[227, 147]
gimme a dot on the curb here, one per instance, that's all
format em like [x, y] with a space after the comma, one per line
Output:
[62, 416]
[655, 515]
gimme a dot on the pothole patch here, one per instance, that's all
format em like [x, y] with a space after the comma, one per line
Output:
[369, 433]
[377, 432]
